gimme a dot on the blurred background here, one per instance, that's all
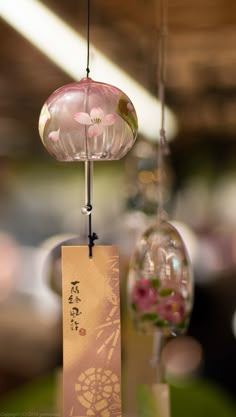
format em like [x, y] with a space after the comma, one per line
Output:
[41, 199]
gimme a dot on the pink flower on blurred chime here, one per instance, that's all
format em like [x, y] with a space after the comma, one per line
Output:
[166, 303]
[172, 308]
[96, 121]
[144, 296]
[160, 282]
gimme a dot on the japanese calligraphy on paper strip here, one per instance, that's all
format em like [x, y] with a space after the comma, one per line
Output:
[91, 332]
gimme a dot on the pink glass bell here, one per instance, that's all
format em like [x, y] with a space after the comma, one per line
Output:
[88, 121]
[160, 282]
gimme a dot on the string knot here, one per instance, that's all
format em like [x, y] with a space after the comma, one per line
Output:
[163, 142]
[91, 239]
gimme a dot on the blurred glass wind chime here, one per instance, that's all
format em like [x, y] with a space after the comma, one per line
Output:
[160, 281]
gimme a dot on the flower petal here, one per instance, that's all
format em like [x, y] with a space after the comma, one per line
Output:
[82, 118]
[95, 130]
[109, 120]
[54, 135]
[172, 308]
[143, 282]
[144, 297]
[96, 113]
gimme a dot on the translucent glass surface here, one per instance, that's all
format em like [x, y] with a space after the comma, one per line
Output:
[88, 120]
[160, 283]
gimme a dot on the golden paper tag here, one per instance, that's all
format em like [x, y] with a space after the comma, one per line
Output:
[91, 332]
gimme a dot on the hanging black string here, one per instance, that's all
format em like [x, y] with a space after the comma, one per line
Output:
[88, 37]
[161, 10]
[161, 76]
[163, 145]
[87, 209]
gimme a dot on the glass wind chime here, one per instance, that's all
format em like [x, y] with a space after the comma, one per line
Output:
[88, 121]
[160, 286]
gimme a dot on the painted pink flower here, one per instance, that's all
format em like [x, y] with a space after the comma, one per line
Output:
[172, 308]
[54, 135]
[144, 296]
[96, 120]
